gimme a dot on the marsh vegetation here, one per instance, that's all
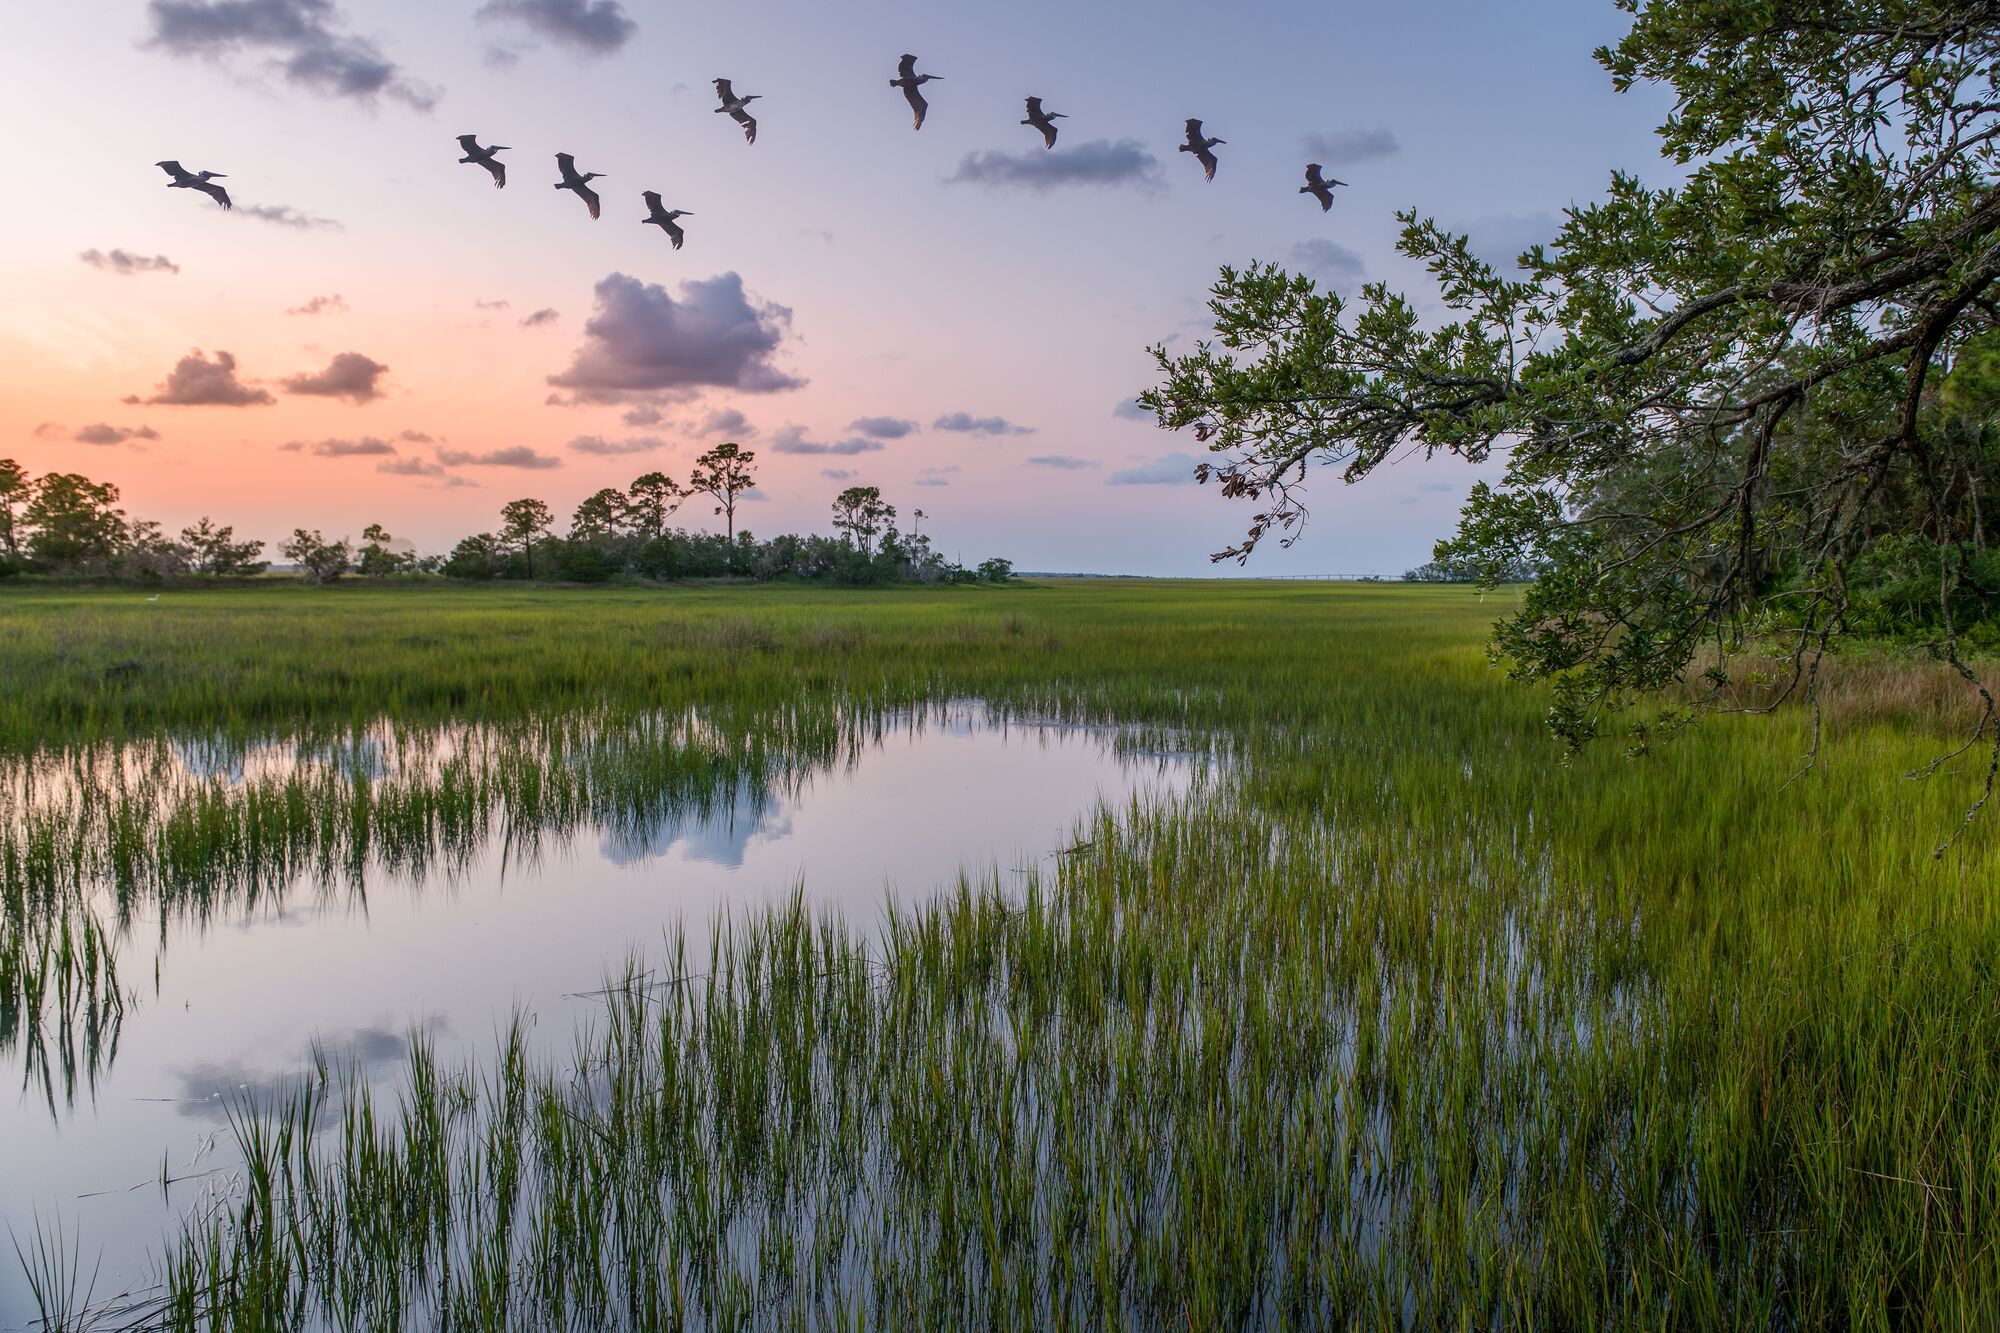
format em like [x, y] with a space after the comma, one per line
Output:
[1395, 1020]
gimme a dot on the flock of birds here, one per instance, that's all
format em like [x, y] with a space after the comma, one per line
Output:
[737, 107]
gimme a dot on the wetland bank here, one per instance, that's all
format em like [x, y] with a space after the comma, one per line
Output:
[1349, 1002]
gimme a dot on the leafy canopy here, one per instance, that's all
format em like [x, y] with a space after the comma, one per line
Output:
[1710, 396]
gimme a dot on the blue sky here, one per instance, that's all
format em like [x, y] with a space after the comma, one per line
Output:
[873, 284]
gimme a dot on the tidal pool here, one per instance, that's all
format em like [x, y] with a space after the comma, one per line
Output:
[233, 994]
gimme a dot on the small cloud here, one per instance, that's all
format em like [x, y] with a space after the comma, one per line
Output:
[518, 455]
[298, 35]
[500, 304]
[643, 343]
[594, 444]
[407, 467]
[1438, 487]
[1501, 238]
[321, 305]
[349, 375]
[1129, 410]
[500, 57]
[284, 215]
[106, 434]
[540, 317]
[792, 440]
[1356, 145]
[964, 423]
[1328, 261]
[126, 264]
[415, 437]
[839, 473]
[726, 421]
[198, 382]
[50, 430]
[1171, 470]
[1061, 461]
[953, 468]
[883, 428]
[1098, 162]
[930, 481]
[365, 447]
[643, 416]
[595, 27]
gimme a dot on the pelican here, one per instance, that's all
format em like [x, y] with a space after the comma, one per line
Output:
[1045, 121]
[910, 82]
[183, 179]
[1202, 147]
[484, 157]
[578, 185]
[658, 216]
[1319, 187]
[737, 108]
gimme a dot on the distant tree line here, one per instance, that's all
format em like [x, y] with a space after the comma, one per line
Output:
[66, 525]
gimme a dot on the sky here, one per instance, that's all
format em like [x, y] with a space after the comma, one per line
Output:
[374, 334]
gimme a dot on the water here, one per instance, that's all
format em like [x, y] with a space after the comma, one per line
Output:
[235, 996]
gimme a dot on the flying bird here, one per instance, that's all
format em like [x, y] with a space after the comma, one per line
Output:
[1319, 187]
[658, 216]
[737, 108]
[1045, 121]
[183, 179]
[484, 157]
[577, 185]
[911, 83]
[1202, 147]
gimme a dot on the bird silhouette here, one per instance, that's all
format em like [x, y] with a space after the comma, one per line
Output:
[579, 185]
[1319, 187]
[1045, 121]
[484, 157]
[737, 108]
[658, 216]
[912, 83]
[183, 179]
[1202, 148]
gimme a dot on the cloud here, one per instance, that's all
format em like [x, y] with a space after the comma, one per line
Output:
[1129, 410]
[1061, 461]
[1171, 470]
[321, 305]
[726, 421]
[300, 38]
[518, 455]
[964, 423]
[50, 430]
[198, 382]
[1098, 162]
[1327, 260]
[105, 434]
[1357, 145]
[284, 215]
[349, 375]
[366, 446]
[792, 440]
[643, 343]
[597, 444]
[410, 467]
[644, 416]
[500, 304]
[596, 27]
[839, 473]
[930, 481]
[883, 428]
[128, 265]
[1500, 238]
[540, 317]
[414, 437]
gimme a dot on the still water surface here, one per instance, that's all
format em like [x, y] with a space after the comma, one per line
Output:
[234, 1005]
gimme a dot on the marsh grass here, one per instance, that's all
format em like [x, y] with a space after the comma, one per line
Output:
[1402, 1024]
